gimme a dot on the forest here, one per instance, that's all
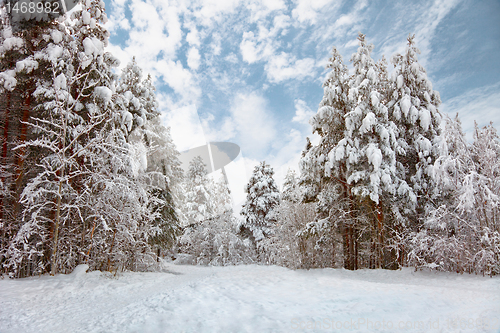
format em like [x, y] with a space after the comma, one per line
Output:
[89, 173]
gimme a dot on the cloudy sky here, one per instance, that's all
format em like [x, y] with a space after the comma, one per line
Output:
[251, 72]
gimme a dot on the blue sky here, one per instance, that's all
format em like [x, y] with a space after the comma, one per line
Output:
[251, 72]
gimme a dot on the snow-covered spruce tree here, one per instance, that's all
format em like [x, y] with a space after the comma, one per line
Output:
[329, 124]
[166, 176]
[198, 204]
[262, 197]
[462, 234]
[221, 197]
[138, 103]
[291, 190]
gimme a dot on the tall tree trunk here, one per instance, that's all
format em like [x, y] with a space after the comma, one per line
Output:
[4, 164]
[22, 152]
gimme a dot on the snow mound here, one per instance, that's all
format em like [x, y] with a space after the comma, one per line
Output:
[80, 271]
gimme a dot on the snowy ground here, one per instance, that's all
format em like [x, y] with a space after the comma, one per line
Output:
[251, 299]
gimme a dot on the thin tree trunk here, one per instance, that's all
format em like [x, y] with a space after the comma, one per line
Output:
[56, 230]
[59, 198]
[111, 250]
[91, 238]
[380, 239]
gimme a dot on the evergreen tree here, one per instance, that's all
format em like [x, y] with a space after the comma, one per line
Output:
[291, 190]
[198, 203]
[221, 197]
[215, 241]
[262, 197]
[413, 108]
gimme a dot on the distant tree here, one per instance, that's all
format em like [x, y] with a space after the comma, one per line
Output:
[262, 197]
[291, 190]
[198, 204]
[215, 241]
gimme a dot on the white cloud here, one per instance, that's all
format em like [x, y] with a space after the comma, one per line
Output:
[232, 58]
[255, 48]
[223, 130]
[185, 127]
[284, 67]
[307, 10]
[260, 9]
[253, 122]
[213, 11]
[302, 112]
[193, 37]
[421, 19]
[180, 79]
[193, 58]
[117, 19]
[481, 105]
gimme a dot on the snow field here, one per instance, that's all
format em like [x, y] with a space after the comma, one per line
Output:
[251, 299]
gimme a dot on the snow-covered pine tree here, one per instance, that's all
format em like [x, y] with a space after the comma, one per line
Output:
[141, 123]
[368, 148]
[262, 197]
[324, 178]
[91, 183]
[282, 246]
[138, 103]
[329, 124]
[413, 107]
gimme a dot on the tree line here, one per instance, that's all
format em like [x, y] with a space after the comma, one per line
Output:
[391, 183]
